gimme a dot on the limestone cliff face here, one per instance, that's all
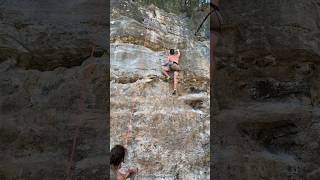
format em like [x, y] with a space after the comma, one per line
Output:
[170, 133]
[41, 113]
[267, 88]
[45, 35]
[50, 87]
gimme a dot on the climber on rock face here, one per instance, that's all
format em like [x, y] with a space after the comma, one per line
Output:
[172, 64]
[117, 156]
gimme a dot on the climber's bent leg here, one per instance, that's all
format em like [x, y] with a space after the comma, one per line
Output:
[165, 71]
[175, 80]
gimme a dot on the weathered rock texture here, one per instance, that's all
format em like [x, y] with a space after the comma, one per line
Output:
[267, 89]
[50, 87]
[170, 133]
[45, 35]
[40, 115]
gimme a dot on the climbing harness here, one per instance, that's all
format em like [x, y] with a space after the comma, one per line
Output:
[129, 131]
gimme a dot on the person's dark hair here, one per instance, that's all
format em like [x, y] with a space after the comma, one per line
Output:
[117, 155]
[172, 51]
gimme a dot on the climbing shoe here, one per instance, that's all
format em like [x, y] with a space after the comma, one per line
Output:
[174, 92]
[166, 79]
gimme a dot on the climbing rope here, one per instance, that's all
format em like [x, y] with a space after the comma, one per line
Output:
[87, 74]
[70, 167]
[216, 11]
[130, 127]
[134, 100]
[129, 131]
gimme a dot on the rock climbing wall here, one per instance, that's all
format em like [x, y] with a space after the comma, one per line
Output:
[51, 90]
[170, 138]
[40, 115]
[267, 91]
[45, 35]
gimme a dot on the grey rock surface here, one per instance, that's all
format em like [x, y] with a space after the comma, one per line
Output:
[45, 35]
[170, 138]
[266, 87]
[52, 90]
[41, 113]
